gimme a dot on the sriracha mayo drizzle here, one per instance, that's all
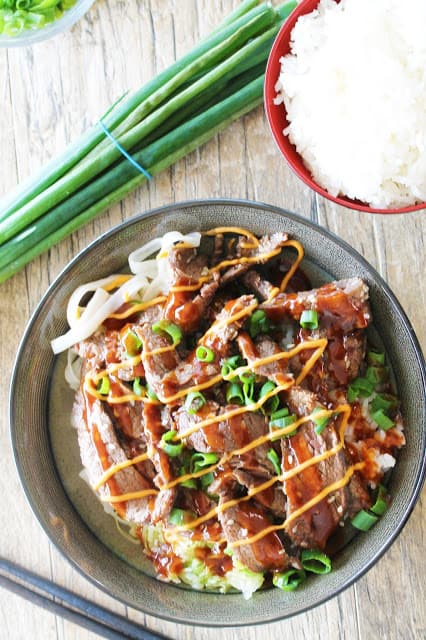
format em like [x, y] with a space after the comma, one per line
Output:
[315, 348]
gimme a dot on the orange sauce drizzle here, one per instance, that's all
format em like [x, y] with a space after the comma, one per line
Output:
[136, 308]
[237, 230]
[118, 467]
[319, 347]
[290, 273]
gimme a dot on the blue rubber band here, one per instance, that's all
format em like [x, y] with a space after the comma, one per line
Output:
[124, 152]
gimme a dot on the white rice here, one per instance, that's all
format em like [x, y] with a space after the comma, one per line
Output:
[354, 88]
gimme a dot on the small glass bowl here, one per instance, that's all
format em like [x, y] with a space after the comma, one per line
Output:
[30, 36]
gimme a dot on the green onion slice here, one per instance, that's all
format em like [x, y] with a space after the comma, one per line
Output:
[132, 343]
[104, 386]
[375, 358]
[247, 376]
[364, 520]
[169, 446]
[180, 516]
[138, 388]
[274, 459]
[150, 393]
[206, 480]
[320, 421]
[248, 391]
[258, 323]
[194, 401]
[361, 387]
[309, 319]
[234, 394]
[230, 364]
[384, 401]
[377, 374]
[382, 420]
[315, 561]
[171, 330]
[271, 405]
[200, 461]
[381, 503]
[281, 413]
[204, 354]
[281, 423]
[290, 580]
[190, 483]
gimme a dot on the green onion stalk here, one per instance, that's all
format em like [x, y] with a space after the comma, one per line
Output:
[186, 105]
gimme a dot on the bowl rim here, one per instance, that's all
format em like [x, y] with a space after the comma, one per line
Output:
[41, 516]
[273, 114]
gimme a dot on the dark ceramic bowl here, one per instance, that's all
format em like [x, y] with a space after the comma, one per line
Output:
[277, 117]
[45, 445]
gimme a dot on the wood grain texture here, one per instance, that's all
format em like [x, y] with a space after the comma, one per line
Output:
[49, 94]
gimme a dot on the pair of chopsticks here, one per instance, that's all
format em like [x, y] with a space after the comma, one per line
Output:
[62, 602]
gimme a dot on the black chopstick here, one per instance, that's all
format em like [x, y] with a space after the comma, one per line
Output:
[65, 603]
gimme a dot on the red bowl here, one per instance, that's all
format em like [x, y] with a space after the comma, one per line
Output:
[277, 117]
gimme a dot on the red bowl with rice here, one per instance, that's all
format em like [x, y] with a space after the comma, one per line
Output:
[278, 122]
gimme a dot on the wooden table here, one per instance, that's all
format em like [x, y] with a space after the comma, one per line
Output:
[49, 94]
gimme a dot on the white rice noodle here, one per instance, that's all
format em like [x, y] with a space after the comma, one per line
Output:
[138, 257]
[151, 278]
[89, 322]
[73, 370]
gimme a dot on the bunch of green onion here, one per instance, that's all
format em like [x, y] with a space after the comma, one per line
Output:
[17, 16]
[220, 80]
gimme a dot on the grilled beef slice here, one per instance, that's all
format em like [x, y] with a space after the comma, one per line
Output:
[99, 449]
[341, 305]
[244, 520]
[315, 526]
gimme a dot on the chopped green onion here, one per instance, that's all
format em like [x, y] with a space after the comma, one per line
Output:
[380, 505]
[290, 580]
[375, 358]
[281, 423]
[190, 483]
[194, 401]
[206, 480]
[315, 561]
[200, 461]
[274, 459]
[228, 551]
[248, 391]
[384, 401]
[169, 446]
[258, 323]
[247, 376]
[132, 343]
[377, 374]
[204, 354]
[150, 393]
[234, 394]
[309, 319]
[171, 330]
[104, 386]
[230, 364]
[364, 520]
[361, 387]
[272, 403]
[138, 388]
[180, 516]
[382, 420]
[320, 422]
[281, 413]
